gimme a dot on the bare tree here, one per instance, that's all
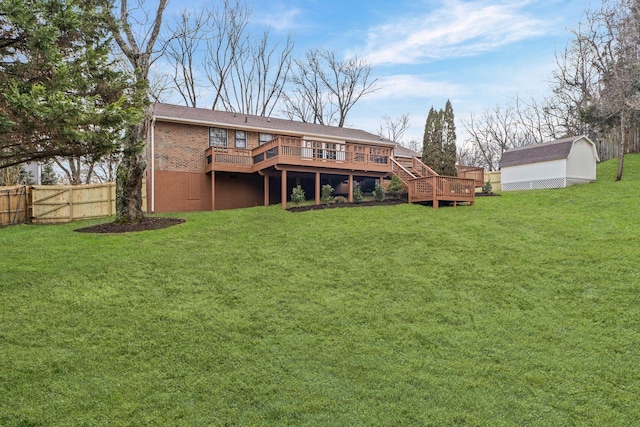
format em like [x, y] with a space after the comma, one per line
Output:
[309, 101]
[492, 133]
[74, 168]
[574, 84]
[613, 37]
[394, 129]
[258, 77]
[326, 88]
[136, 33]
[184, 50]
[248, 74]
[105, 169]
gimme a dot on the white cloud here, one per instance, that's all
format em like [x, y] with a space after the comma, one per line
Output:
[456, 29]
[414, 86]
[282, 19]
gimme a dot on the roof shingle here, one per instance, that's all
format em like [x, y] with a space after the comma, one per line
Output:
[545, 152]
[208, 117]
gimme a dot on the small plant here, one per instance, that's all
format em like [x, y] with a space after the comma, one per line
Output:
[357, 194]
[340, 199]
[297, 195]
[378, 193]
[395, 187]
[487, 187]
[325, 194]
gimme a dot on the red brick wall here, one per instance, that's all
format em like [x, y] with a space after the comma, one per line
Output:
[179, 147]
[181, 192]
[239, 190]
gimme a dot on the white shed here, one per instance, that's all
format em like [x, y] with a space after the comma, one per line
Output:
[554, 164]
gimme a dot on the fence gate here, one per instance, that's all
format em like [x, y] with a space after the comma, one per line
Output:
[14, 205]
[65, 203]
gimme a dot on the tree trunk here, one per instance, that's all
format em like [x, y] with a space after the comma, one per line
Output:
[129, 179]
[622, 146]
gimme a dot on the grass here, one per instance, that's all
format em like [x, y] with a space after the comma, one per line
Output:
[521, 310]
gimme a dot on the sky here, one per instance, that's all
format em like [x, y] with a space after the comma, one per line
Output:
[476, 53]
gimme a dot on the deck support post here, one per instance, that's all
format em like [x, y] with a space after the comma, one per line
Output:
[283, 196]
[266, 190]
[213, 190]
[350, 188]
[317, 201]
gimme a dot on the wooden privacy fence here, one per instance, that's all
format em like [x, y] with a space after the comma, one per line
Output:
[14, 205]
[65, 203]
[58, 203]
[494, 178]
[472, 172]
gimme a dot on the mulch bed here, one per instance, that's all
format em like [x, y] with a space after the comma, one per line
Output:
[147, 223]
[345, 205]
[486, 194]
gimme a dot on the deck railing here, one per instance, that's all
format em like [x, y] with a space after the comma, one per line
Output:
[447, 188]
[422, 169]
[431, 187]
[233, 156]
[303, 152]
[401, 170]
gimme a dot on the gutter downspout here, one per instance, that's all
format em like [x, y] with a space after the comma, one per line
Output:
[153, 163]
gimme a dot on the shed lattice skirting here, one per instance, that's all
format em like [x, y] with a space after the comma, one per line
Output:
[539, 184]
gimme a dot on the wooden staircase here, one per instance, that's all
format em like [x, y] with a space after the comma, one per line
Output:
[423, 184]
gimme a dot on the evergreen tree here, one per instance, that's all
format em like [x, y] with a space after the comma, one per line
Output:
[432, 141]
[395, 187]
[448, 166]
[439, 143]
[48, 175]
[62, 96]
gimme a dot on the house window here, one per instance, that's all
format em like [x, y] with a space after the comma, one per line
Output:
[263, 138]
[241, 139]
[217, 137]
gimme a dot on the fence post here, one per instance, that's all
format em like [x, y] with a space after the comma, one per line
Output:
[15, 217]
[109, 210]
[70, 203]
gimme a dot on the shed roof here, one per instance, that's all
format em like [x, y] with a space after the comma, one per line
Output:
[207, 117]
[545, 152]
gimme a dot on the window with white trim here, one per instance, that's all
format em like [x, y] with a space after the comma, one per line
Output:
[263, 138]
[217, 137]
[240, 139]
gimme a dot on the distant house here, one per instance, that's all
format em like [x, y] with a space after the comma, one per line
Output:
[403, 152]
[554, 164]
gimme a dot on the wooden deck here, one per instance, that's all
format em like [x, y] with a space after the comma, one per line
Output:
[285, 153]
[423, 184]
[301, 152]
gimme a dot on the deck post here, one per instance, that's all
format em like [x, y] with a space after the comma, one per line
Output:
[434, 181]
[213, 190]
[317, 188]
[350, 188]
[266, 190]
[283, 196]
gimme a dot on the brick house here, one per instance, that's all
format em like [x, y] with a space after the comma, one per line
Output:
[200, 159]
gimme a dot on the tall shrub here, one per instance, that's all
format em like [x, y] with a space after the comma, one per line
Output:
[325, 194]
[395, 187]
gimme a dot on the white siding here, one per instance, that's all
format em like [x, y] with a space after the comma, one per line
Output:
[581, 164]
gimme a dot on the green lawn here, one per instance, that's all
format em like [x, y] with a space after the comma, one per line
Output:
[521, 310]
